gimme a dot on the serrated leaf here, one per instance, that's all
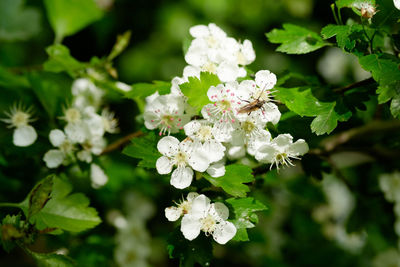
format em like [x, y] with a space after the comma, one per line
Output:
[70, 16]
[346, 35]
[18, 22]
[196, 89]
[243, 215]
[233, 180]
[65, 211]
[52, 90]
[198, 250]
[141, 90]
[52, 260]
[61, 60]
[296, 40]
[302, 101]
[144, 148]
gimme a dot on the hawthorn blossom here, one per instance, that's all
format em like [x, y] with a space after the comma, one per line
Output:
[97, 176]
[165, 112]
[222, 111]
[85, 94]
[65, 147]
[397, 4]
[281, 150]
[210, 218]
[182, 208]
[20, 118]
[184, 157]
[390, 185]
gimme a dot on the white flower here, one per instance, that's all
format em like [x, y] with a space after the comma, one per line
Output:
[184, 157]
[86, 94]
[397, 4]
[19, 118]
[174, 213]
[110, 123]
[97, 176]
[222, 111]
[165, 112]
[390, 185]
[209, 218]
[202, 135]
[281, 150]
[56, 157]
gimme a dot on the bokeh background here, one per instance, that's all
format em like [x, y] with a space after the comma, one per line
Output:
[309, 222]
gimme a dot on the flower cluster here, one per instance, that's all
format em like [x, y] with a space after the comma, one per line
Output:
[83, 134]
[20, 118]
[233, 123]
[390, 186]
[199, 214]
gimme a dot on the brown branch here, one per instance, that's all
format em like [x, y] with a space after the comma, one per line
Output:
[341, 90]
[121, 142]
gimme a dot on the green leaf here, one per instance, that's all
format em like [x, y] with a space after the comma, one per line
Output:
[196, 89]
[346, 35]
[353, 3]
[70, 16]
[244, 215]
[198, 250]
[395, 106]
[144, 148]
[65, 211]
[61, 60]
[120, 45]
[40, 195]
[296, 40]
[52, 90]
[8, 79]
[233, 180]
[52, 260]
[141, 90]
[18, 22]
[302, 101]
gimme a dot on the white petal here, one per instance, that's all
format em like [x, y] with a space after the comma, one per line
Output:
[164, 165]
[300, 147]
[190, 71]
[224, 232]
[397, 4]
[190, 227]
[219, 211]
[54, 158]
[266, 153]
[192, 128]
[57, 137]
[97, 176]
[216, 170]
[199, 161]
[85, 155]
[265, 79]
[270, 113]
[248, 51]
[24, 136]
[214, 150]
[236, 152]
[181, 177]
[168, 146]
[214, 92]
[173, 213]
[216, 31]
[283, 140]
[76, 132]
[200, 206]
[227, 72]
[191, 196]
[199, 31]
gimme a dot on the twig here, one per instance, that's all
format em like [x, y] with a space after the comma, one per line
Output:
[121, 142]
[341, 90]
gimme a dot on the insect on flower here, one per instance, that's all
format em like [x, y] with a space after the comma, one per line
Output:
[252, 106]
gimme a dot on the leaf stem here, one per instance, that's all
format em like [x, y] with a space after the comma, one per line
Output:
[11, 205]
[121, 142]
[365, 82]
[334, 14]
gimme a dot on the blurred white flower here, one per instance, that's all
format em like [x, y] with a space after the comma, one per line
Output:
[56, 157]
[19, 118]
[390, 185]
[209, 218]
[97, 176]
[397, 4]
[86, 94]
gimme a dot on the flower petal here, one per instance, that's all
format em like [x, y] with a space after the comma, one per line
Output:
[266, 153]
[200, 206]
[216, 169]
[164, 165]
[24, 136]
[191, 196]
[181, 177]
[97, 176]
[224, 232]
[168, 146]
[265, 79]
[192, 128]
[53, 158]
[300, 147]
[173, 213]
[57, 137]
[199, 161]
[219, 211]
[190, 227]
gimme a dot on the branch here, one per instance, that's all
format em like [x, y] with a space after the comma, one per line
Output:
[121, 142]
[341, 90]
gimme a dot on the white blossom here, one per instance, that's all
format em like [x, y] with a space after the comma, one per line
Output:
[184, 207]
[390, 185]
[210, 218]
[65, 147]
[20, 118]
[86, 94]
[397, 4]
[97, 176]
[184, 157]
[281, 150]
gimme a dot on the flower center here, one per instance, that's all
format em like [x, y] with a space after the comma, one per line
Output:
[224, 106]
[204, 133]
[185, 206]
[248, 126]
[180, 158]
[208, 224]
[20, 118]
[72, 115]
[211, 41]
[210, 67]
[66, 147]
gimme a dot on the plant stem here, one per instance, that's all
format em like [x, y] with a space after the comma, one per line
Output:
[12, 205]
[341, 90]
[121, 142]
